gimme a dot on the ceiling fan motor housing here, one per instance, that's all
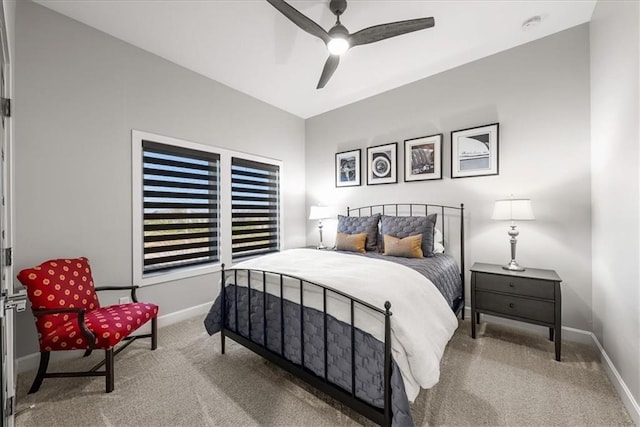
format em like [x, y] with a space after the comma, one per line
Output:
[339, 31]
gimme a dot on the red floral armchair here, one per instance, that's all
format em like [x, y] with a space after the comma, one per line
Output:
[69, 316]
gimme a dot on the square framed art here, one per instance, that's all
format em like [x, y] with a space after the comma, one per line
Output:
[474, 151]
[382, 164]
[423, 158]
[348, 168]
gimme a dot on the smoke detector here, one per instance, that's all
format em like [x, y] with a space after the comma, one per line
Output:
[531, 23]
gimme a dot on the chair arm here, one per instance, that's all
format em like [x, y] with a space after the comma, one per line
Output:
[47, 311]
[90, 336]
[133, 288]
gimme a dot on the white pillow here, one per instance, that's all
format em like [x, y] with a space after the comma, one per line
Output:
[438, 247]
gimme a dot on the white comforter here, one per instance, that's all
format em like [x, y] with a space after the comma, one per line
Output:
[421, 325]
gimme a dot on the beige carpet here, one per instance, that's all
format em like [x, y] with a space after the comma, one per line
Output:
[506, 377]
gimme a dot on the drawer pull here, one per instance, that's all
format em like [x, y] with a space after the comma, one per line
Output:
[511, 305]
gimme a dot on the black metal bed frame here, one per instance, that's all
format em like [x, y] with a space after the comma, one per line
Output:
[382, 416]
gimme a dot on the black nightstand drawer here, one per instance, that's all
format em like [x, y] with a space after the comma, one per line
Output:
[515, 285]
[541, 311]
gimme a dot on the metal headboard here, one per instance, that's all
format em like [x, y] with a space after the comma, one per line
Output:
[423, 209]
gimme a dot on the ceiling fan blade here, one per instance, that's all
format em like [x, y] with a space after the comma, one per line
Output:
[300, 19]
[328, 70]
[392, 29]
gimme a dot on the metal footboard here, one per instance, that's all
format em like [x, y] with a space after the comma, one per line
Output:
[382, 416]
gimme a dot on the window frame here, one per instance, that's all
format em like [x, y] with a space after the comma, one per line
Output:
[224, 209]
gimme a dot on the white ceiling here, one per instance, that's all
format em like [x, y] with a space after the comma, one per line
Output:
[248, 45]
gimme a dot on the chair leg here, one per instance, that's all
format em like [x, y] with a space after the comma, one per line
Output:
[87, 353]
[42, 370]
[154, 333]
[108, 358]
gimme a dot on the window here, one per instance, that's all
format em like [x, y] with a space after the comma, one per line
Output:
[195, 207]
[255, 208]
[180, 207]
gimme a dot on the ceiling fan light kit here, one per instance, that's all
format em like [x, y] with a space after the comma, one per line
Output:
[339, 40]
[338, 46]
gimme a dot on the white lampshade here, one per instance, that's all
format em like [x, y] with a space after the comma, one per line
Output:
[513, 210]
[320, 212]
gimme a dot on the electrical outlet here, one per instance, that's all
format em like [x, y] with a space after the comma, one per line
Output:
[125, 300]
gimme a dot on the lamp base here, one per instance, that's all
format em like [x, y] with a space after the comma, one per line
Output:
[322, 246]
[513, 266]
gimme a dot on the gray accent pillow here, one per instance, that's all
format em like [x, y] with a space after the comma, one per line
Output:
[404, 226]
[361, 224]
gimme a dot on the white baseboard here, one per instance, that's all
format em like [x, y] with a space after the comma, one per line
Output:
[31, 361]
[582, 337]
[570, 334]
[187, 313]
[621, 387]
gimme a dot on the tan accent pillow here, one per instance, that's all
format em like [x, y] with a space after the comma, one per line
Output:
[351, 242]
[409, 247]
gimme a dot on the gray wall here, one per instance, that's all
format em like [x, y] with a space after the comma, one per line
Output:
[79, 92]
[539, 93]
[615, 141]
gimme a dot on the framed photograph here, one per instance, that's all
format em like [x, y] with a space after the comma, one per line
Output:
[423, 158]
[348, 168]
[474, 151]
[382, 164]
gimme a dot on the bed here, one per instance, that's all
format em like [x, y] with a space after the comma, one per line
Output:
[332, 319]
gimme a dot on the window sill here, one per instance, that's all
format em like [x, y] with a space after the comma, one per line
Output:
[177, 274]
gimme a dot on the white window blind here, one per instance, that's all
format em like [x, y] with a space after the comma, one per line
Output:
[255, 208]
[180, 202]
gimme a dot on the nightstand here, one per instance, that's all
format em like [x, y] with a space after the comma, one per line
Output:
[531, 296]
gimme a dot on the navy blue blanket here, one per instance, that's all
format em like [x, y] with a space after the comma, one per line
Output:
[369, 352]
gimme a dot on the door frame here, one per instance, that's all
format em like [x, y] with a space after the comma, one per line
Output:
[7, 284]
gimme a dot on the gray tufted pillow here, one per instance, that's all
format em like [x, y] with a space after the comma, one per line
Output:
[404, 226]
[361, 224]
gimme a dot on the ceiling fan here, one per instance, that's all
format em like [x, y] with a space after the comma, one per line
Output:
[338, 39]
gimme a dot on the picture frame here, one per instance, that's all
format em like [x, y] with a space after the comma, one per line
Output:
[475, 151]
[382, 164]
[348, 168]
[423, 158]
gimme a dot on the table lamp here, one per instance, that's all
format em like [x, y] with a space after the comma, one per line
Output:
[513, 210]
[320, 213]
